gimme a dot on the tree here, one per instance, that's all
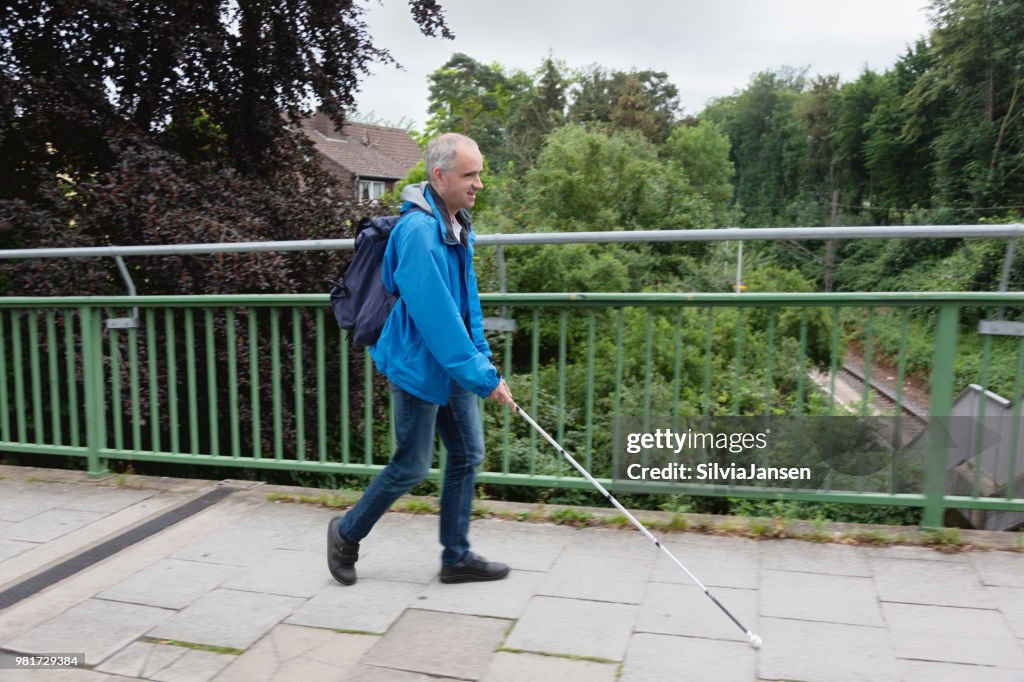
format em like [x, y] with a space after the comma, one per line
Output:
[645, 101]
[460, 91]
[769, 144]
[702, 154]
[589, 179]
[536, 114]
[898, 148]
[980, 45]
[162, 122]
[95, 94]
[855, 103]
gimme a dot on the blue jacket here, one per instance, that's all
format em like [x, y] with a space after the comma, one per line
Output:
[434, 334]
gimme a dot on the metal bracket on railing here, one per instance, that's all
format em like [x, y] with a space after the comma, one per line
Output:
[125, 322]
[1001, 328]
[500, 323]
[998, 326]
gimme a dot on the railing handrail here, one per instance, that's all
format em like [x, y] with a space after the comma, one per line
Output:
[500, 239]
[893, 298]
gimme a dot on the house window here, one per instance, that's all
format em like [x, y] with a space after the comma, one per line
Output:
[370, 190]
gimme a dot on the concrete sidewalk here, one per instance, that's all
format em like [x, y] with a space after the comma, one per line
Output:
[240, 591]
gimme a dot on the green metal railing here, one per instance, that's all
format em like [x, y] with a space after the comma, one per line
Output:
[268, 382]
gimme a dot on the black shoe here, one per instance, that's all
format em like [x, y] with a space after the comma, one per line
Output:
[341, 554]
[474, 569]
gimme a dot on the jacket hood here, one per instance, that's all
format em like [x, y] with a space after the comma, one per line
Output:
[417, 196]
[422, 196]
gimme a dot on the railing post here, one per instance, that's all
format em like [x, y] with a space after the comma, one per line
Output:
[943, 372]
[95, 414]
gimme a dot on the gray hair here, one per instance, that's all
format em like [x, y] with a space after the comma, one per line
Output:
[441, 152]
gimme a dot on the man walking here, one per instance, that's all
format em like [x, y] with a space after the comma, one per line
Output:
[433, 351]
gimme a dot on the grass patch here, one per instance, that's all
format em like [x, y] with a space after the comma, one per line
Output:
[481, 511]
[731, 527]
[123, 481]
[677, 522]
[33, 479]
[820, 532]
[761, 528]
[872, 537]
[529, 516]
[418, 507]
[616, 520]
[338, 500]
[231, 651]
[571, 657]
[346, 631]
[942, 537]
[570, 517]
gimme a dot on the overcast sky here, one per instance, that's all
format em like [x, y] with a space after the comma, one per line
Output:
[709, 48]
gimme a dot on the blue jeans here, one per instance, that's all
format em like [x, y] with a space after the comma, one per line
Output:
[463, 438]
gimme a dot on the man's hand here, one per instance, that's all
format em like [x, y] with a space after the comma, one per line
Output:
[502, 395]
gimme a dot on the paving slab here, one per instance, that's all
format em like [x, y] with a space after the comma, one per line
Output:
[545, 528]
[1001, 569]
[908, 581]
[166, 663]
[521, 545]
[497, 598]
[291, 652]
[578, 574]
[401, 547]
[96, 628]
[574, 627]
[656, 658]
[284, 571]
[368, 606]
[612, 543]
[49, 525]
[308, 529]
[825, 652]
[236, 544]
[911, 552]
[927, 671]
[671, 609]
[398, 560]
[195, 666]
[442, 644]
[227, 618]
[953, 635]
[821, 597]
[717, 562]
[58, 676]
[104, 499]
[509, 667]
[12, 548]
[21, 501]
[808, 557]
[170, 583]
[142, 659]
[372, 673]
[76, 589]
[1010, 602]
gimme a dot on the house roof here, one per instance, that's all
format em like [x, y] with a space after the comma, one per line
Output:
[366, 150]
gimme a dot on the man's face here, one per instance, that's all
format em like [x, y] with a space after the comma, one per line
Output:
[458, 186]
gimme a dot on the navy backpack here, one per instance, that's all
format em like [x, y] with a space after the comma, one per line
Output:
[360, 302]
